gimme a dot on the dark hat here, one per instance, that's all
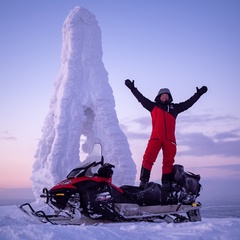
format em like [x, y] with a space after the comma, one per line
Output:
[162, 91]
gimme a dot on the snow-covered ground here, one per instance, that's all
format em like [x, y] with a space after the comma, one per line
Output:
[15, 225]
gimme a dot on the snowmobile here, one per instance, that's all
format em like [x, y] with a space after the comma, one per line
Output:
[88, 196]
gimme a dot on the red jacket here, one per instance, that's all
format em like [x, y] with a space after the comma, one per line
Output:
[164, 116]
[163, 125]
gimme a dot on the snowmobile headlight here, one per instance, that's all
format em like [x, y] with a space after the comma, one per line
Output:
[59, 194]
[66, 182]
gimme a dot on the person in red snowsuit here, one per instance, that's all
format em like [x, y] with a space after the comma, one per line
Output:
[163, 113]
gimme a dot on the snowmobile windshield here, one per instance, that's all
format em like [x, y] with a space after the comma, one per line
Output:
[90, 165]
[87, 168]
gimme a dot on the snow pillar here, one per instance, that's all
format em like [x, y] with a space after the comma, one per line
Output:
[82, 105]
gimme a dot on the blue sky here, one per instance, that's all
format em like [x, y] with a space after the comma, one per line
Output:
[174, 44]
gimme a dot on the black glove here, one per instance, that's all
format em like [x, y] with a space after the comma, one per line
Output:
[130, 84]
[201, 90]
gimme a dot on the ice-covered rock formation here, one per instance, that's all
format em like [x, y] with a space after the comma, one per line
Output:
[82, 106]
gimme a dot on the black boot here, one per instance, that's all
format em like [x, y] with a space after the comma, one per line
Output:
[166, 189]
[144, 177]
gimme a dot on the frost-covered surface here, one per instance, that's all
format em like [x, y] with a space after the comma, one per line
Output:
[82, 105]
[15, 225]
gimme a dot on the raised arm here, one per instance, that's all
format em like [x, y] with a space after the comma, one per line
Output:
[146, 103]
[188, 103]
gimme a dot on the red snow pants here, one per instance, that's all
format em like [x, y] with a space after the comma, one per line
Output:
[169, 150]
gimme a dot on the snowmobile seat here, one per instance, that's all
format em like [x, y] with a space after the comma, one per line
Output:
[151, 195]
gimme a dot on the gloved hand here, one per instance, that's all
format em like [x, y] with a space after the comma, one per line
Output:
[201, 90]
[130, 84]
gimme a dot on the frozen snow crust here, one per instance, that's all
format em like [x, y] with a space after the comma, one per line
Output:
[15, 225]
